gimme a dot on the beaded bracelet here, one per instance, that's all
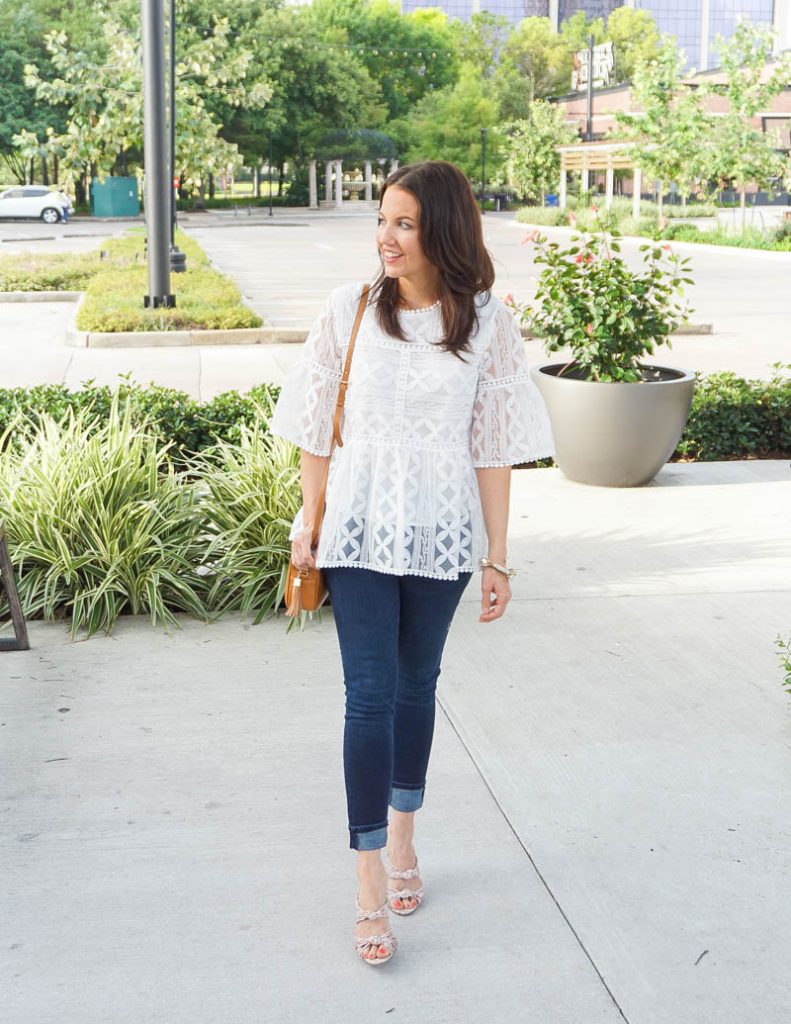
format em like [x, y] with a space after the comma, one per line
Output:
[487, 563]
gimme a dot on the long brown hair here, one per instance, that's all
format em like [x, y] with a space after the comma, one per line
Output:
[451, 237]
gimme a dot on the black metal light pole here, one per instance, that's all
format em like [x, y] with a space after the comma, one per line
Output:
[178, 259]
[155, 155]
[483, 167]
[270, 174]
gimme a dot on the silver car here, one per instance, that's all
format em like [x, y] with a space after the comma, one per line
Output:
[33, 201]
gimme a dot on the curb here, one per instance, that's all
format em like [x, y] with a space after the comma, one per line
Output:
[181, 339]
[40, 296]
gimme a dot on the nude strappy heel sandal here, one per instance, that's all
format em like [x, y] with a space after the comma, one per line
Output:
[401, 894]
[388, 939]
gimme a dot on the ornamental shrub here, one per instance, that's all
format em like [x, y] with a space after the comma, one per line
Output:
[732, 417]
[99, 524]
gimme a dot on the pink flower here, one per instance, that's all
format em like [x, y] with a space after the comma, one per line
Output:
[667, 248]
[508, 299]
[572, 218]
[531, 236]
[595, 210]
[589, 329]
[580, 258]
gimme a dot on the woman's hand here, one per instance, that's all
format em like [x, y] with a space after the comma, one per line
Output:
[302, 551]
[495, 595]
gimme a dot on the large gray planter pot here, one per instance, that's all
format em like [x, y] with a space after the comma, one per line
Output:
[615, 434]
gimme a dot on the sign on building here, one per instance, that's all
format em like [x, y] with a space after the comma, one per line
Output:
[603, 65]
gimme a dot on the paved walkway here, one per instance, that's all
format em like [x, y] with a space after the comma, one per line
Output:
[607, 829]
[285, 266]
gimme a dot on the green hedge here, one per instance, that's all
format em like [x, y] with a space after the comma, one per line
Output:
[172, 416]
[730, 417]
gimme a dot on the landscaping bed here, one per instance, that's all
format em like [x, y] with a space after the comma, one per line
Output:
[142, 500]
[115, 279]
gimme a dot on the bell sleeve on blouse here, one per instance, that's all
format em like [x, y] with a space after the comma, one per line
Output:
[510, 424]
[306, 406]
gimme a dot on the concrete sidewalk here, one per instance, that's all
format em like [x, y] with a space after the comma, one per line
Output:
[607, 825]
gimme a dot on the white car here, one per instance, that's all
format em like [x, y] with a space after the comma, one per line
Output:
[33, 201]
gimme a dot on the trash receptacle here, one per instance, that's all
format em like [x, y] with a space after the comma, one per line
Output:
[551, 199]
[114, 197]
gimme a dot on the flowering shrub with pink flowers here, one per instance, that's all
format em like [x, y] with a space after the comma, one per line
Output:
[610, 316]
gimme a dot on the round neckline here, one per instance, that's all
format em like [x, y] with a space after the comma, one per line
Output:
[421, 309]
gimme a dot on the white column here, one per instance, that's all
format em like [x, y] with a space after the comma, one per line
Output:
[782, 25]
[609, 187]
[585, 183]
[313, 187]
[369, 194]
[328, 181]
[562, 192]
[704, 36]
[339, 182]
[393, 165]
[637, 185]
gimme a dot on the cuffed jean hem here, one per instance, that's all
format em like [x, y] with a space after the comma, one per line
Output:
[373, 839]
[407, 800]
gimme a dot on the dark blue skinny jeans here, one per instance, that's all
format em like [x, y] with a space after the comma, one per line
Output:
[392, 631]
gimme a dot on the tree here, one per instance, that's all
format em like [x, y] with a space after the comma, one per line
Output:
[21, 30]
[480, 41]
[532, 161]
[739, 150]
[408, 55]
[635, 38]
[669, 134]
[446, 125]
[535, 63]
[102, 91]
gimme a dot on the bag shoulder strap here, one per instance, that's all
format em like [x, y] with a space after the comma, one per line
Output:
[339, 404]
[336, 423]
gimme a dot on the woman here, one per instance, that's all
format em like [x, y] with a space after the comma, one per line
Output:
[439, 407]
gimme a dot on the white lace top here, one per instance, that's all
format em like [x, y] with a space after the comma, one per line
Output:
[402, 495]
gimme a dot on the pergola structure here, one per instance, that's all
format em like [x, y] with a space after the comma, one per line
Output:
[359, 146]
[610, 157]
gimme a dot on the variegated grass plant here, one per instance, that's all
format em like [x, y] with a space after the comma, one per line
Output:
[99, 523]
[250, 495]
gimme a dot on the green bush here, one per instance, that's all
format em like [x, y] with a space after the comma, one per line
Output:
[180, 424]
[783, 233]
[732, 417]
[751, 238]
[589, 214]
[681, 233]
[542, 216]
[98, 523]
[251, 494]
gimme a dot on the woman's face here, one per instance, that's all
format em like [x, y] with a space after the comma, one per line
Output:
[398, 236]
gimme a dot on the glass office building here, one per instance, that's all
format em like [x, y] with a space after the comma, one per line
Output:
[697, 23]
[694, 23]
